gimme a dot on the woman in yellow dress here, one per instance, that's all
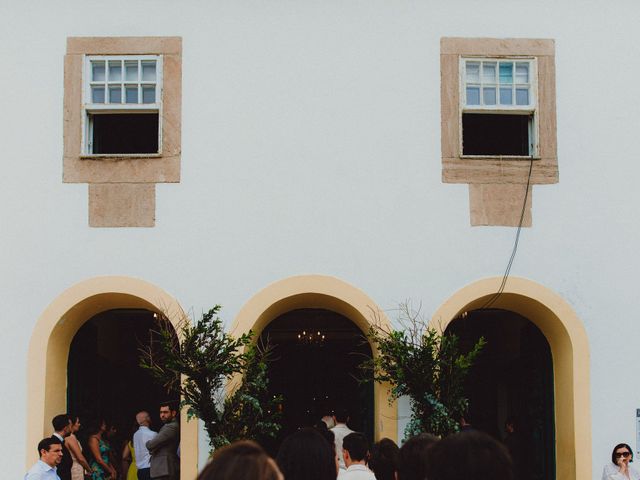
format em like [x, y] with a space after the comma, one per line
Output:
[129, 456]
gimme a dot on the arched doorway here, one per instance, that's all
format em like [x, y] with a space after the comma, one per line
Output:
[104, 378]
[49, 353]
[314, 369]
[511, 382]
[569, 351]
[322, 293]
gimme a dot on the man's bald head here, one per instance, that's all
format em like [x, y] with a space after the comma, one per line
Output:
[143, 419]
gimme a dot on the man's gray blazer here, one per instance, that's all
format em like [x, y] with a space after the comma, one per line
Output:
[164, 452]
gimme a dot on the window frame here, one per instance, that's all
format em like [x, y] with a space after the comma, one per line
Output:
[531, 110]
[89, 108]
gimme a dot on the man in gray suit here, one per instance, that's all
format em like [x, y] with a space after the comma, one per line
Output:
[165, 463]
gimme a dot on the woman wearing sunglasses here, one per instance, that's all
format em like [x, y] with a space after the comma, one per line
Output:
[619, 468]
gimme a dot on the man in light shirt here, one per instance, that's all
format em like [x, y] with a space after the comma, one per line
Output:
[354, 450]
[50, 450]
[341, 417]
[140, 439]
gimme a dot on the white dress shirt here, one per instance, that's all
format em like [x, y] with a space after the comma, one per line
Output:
[140, 439]
[41, 471]
[340, 431]
[356, 472]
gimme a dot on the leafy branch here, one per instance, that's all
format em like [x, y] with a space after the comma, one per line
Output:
[198, 360]
[427, 366]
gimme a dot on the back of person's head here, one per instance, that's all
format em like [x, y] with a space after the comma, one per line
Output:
[45, 444]
[60, 421]
[412, 460]
[342, 415]
[469, 455]
[384, 459]
[356, 444]
[243, 460]
[307, 455]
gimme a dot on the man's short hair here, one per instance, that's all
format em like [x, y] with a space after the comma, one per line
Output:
[172, 404]
[342, 415]
[45, 443]
[60, 421]
[356, 444]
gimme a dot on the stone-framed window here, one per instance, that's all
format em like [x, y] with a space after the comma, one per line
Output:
[131, 85]
[501, 94]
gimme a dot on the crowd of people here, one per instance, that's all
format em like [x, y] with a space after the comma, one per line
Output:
[327, 451]
[319, 453]
[77, 452]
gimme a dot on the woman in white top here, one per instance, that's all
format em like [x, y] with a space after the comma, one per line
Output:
[80, 464]
[619, 468]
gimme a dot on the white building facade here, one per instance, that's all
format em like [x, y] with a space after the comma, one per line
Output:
[312, 155]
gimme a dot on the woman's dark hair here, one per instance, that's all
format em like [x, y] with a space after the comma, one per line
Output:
[92, 427]
[620, 445]
[412, 460]
[384, 459]
[328, 435]
[307, 455]
[469, 455]
[243, 460]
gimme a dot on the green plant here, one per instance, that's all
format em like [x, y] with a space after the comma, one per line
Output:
[200, 361]
[425, 365]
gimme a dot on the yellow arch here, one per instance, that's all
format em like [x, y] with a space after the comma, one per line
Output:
[569, 349]
[330, 293]
[51, 340]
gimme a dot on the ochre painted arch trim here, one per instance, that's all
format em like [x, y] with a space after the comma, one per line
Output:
[569, 349]
[330, 293]
[51, 340]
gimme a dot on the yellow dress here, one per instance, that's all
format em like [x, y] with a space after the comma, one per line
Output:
[132, 473]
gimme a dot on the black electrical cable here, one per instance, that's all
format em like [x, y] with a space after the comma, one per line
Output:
[495, 296]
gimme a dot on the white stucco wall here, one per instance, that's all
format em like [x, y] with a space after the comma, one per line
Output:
[311, 144]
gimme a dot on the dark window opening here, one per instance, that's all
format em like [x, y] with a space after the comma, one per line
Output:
[123, 133]
[495, 134]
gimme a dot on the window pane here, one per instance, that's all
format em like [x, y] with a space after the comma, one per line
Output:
[115, 94]
[506, 96]
[489, 96]
[97, 94]
[148, 94]
[522, 73]
[131, 71]
[97, 71]
[115, 71]
[506, 72]
[149, 71]
[522, 96]
[131, 93]
[489, 72]
[473, 72]
[473, 95]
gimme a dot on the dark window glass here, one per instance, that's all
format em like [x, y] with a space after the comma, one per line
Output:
[495, 134]
[125, 133]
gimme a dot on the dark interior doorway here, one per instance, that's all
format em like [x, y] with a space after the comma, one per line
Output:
[512, 378]
[314, 368]
[104, 376]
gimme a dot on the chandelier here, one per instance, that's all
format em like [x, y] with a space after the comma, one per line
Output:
[311, 338]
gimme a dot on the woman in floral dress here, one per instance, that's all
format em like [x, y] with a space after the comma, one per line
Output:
[101, 469]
